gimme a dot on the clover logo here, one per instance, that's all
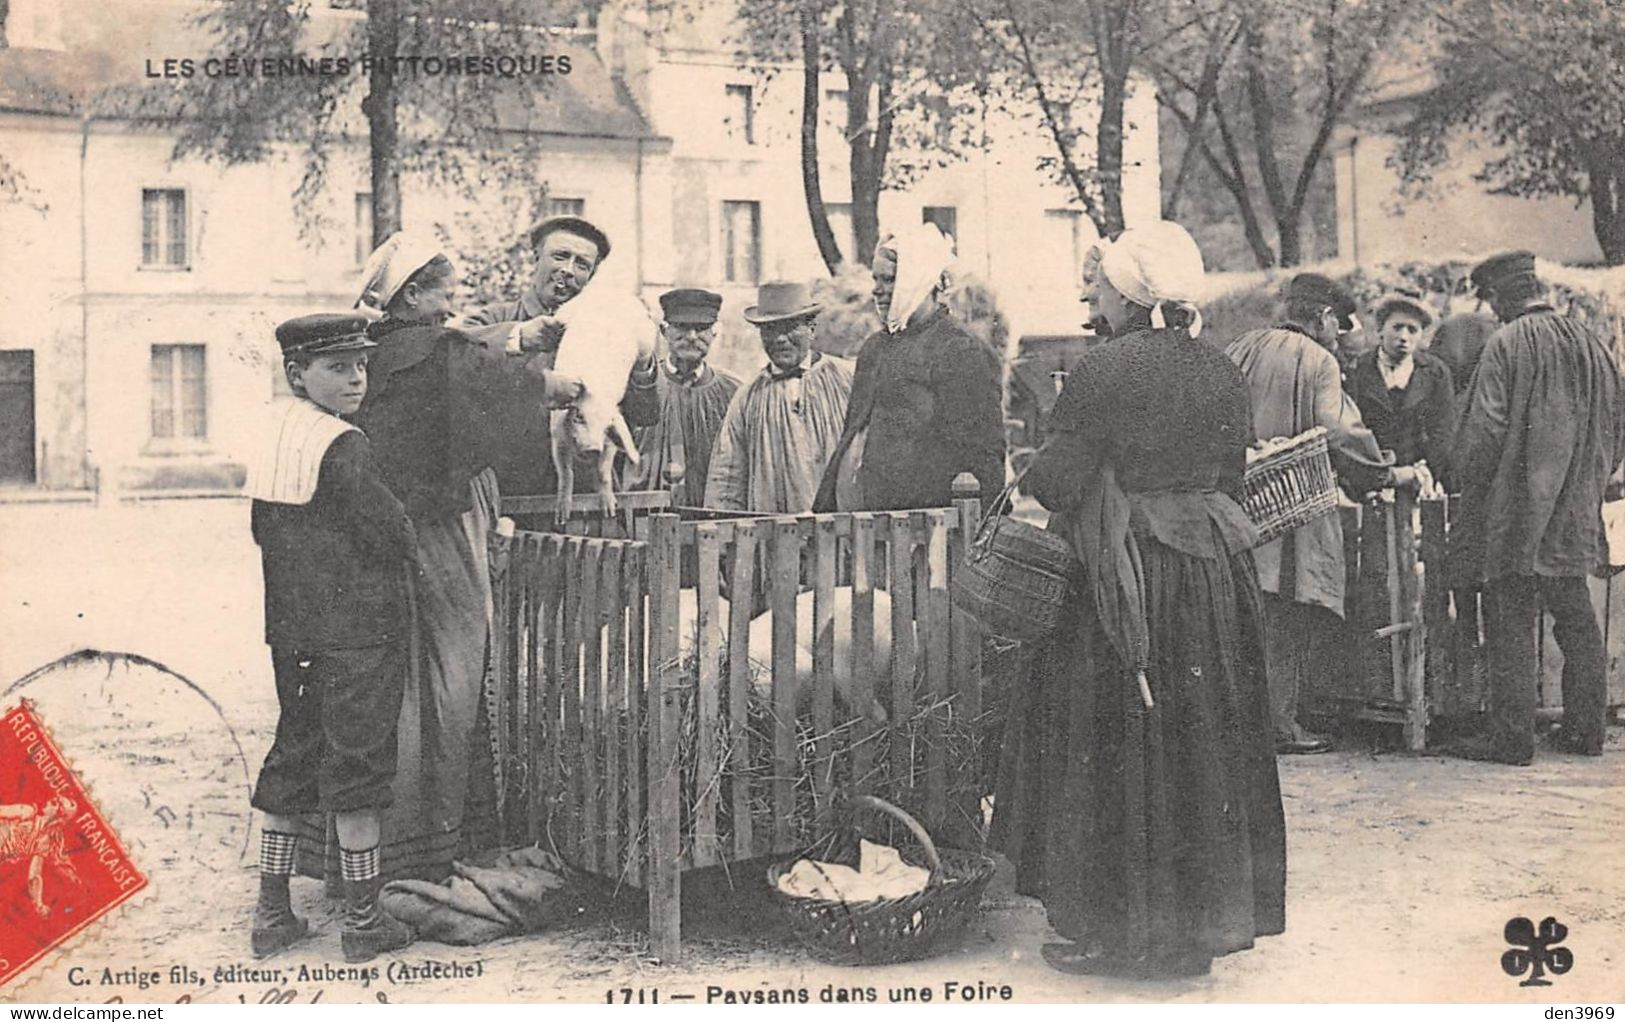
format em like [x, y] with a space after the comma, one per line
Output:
[1536, 952]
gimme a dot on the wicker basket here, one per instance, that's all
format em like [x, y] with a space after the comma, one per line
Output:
[927, 923]
[1015, 576]
[1290, 485]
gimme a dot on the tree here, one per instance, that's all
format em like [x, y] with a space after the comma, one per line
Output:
[891, 54]
[458, 131]
[1258, 92]
[1544, 80]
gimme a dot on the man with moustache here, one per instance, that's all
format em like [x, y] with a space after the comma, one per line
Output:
[781, 429]
[569, 252]
[694, 396]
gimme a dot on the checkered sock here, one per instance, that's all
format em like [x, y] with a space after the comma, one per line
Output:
[276, 853]
[357, 866]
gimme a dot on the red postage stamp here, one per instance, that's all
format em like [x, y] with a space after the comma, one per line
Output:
[61, 866]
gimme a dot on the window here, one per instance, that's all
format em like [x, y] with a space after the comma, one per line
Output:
[566, 207]
[945, 217]
[832, 114]
[363, 227]
[179, 392]
[840, 225]
[17, 417]
[741, 242]
[740, 120]
[1064, 229]
[163, 228]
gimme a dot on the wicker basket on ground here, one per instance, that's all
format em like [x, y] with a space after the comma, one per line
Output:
[929, 922]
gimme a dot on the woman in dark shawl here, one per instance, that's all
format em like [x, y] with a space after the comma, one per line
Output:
[1138, 794]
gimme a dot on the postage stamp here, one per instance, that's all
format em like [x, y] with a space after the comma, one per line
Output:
[61, 865]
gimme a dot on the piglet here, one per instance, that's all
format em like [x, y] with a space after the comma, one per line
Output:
[604, 328]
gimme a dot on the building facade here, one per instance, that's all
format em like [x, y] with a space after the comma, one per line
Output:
[148, 287]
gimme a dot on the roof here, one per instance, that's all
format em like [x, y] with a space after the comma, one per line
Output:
[42, 81]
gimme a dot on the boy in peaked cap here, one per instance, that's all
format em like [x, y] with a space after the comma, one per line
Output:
[334, 543]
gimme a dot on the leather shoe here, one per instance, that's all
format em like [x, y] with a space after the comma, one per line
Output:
[1307, 745]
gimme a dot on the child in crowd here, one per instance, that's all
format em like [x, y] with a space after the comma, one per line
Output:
[335, 544]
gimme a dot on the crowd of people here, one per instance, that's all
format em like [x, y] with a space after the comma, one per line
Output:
[1137, 792]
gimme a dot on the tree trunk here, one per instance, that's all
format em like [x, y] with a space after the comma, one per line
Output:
[864, 171]
[1291, 237]
[1607, 217]
[381, 108]
[1109, 148]
[812, 187]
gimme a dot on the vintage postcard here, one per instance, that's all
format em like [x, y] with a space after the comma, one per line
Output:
[818, 502]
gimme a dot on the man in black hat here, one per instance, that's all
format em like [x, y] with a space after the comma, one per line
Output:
[694, 396]
[781, 429]
[569, 252]
[1543, 431]
[1295, 386]
[335, 544]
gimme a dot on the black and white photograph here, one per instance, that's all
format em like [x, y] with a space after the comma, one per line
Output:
[760, 502]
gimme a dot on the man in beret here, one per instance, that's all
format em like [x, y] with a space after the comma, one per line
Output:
[569, 252]
[1543, 431]
[782, 427]
[1295, 386]
[1405, 394]
[693, 398]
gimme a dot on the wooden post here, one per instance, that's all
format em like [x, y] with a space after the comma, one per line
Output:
[863, 644]
[743, 585]
[591, 833]
[900, 552]
[823, 660]
[638, 575]
[614, 594]
[708, 548]
[665, 715]
[1413, 682]
[783, 585]
[1436, 608]
[966, 643]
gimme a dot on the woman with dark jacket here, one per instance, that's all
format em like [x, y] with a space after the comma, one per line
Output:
[1406, 395]
[1138, 794]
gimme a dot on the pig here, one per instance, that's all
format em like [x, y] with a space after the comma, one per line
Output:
[761, 645]
[604, 331]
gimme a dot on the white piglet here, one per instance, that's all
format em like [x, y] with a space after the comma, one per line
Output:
[604, 328]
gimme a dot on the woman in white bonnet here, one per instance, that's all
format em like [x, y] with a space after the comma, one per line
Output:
[1137, 793]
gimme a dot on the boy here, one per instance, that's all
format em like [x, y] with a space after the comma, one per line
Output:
[335, 544]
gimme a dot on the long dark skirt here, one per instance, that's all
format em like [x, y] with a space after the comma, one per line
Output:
[1151, 833]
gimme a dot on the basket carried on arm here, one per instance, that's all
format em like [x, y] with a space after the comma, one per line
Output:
[1015, 576]
[1289, 483]
[926, 923]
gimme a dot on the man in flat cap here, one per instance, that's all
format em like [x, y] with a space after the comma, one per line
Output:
[569, 251]
[1406, 395]
[1543, 431]
[694, 396]
[1296, 386]
[781, 429]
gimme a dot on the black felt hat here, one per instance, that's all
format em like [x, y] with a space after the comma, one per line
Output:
[1319, 289]
[323, 333]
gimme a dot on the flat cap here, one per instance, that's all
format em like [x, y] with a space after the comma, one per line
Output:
[323, 333]
[575, 225]
[1494, 273]
[690, 306]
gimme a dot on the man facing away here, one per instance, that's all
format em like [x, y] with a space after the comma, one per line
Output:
[694, 396]
[781, 428]
[1542, 433]
[1295, 386]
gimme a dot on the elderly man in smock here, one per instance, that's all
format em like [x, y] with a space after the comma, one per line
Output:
[782, 426]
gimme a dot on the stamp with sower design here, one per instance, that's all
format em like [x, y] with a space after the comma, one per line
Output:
[61, 865]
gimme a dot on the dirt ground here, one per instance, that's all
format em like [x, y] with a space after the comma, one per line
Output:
[1403, 870]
